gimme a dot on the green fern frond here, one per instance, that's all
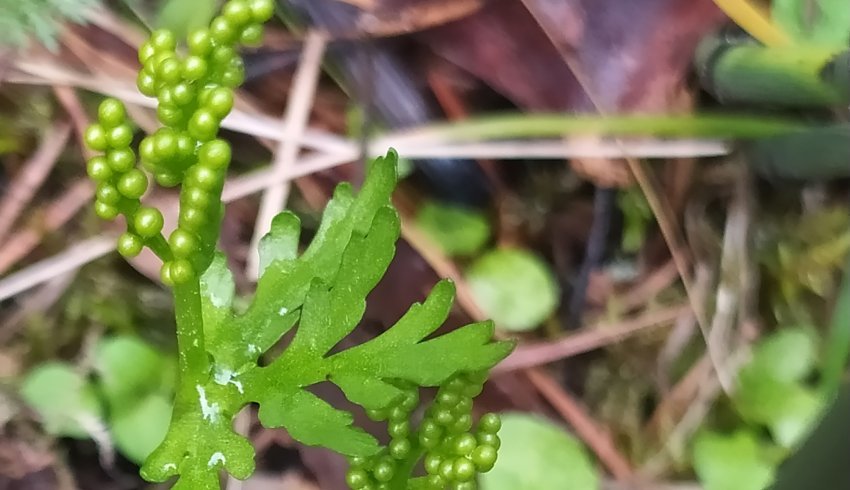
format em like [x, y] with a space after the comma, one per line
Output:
[22, 20]
[228, 358]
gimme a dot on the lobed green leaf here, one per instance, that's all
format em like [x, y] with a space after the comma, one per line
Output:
[200, 441]
[737, 461]
[323, 292]
[64, 399]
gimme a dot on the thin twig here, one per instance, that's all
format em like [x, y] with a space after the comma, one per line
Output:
[589, 338]
[32, 176]
[735, 281]
[595, 437]
[56, 215]
[648, 185]
[70, 259]
[684, 328]
[442, 265]
[668, 409]
[648, 287]
[587, 429]
[98, 57]
[44, 72]
[707, 390]
[295, 120]
[67, 98]
[256, 181]
[615, 485]
[109, 22]
[553, 149]
[584, 425]
[432, 146]
[38, 301]
[94, 248]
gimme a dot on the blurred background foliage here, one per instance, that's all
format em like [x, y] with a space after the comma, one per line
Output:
[682, 312]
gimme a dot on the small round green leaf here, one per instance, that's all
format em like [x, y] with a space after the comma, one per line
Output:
[787, 409]
[513, 287]
[457, 230]
[789, 354]
[727, 462]
[64, 399]
[770, 390]
[538, 455]
[796, 416]
[128, 368]
[138, 429]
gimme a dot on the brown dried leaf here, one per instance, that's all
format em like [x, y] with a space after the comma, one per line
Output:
[504, 47]
[362, 4]
[633, 55]
[393, 17]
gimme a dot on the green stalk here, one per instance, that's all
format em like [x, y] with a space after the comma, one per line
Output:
[193, 362]
[159, 246]
[795, 76]
[406, 467]
[809, 153]
[519, 125]
[838, 343]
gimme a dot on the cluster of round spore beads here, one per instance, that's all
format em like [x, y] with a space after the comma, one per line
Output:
[194, 92]
[116, 166]
[453, 453]
[120, 185]
[376, 472]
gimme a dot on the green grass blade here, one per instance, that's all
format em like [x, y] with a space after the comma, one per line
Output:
[838, 343]
[520, 126]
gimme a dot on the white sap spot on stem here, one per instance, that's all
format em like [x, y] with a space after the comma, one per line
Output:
[225, 376]
[283, 310]
[216, 458]
[208, 410]
[217, 292]
[169, 467]
[253, 349]
[218, 301]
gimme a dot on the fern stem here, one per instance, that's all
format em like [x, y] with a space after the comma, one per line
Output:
[193, 361]
[159, 246]
[838, 347]
[406, 467]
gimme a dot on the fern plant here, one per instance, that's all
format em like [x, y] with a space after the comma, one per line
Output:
[22, 19]
[224, 360]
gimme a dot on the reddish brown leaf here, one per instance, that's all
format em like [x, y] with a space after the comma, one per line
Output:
[392, 17]
[637, 54]
[633, 55]
[504, 46]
